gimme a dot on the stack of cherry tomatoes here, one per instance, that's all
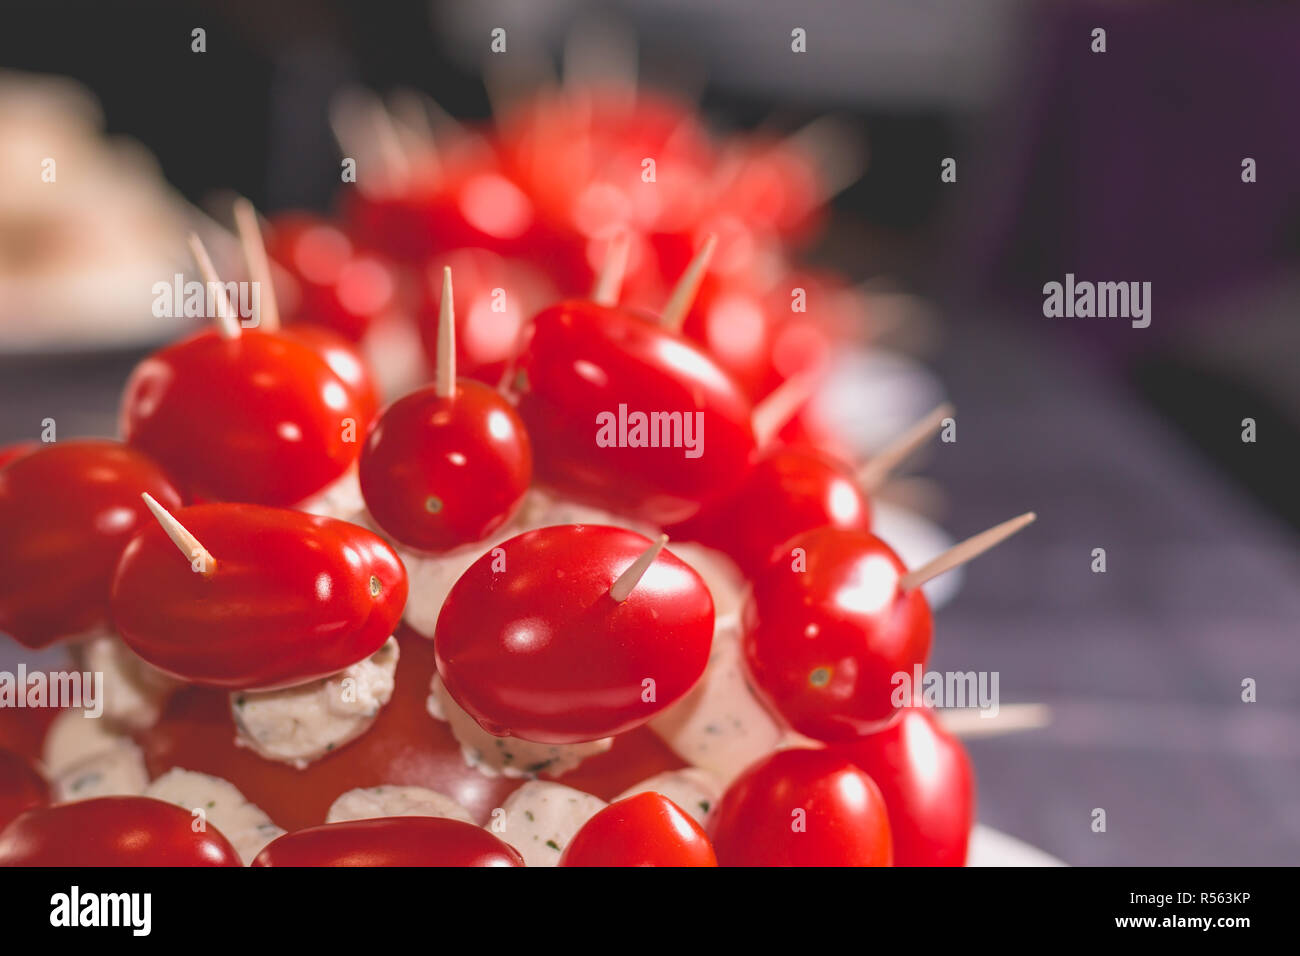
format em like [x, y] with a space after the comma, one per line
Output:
[186, 537]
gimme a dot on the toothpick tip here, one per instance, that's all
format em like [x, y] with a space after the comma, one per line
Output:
[622, 589]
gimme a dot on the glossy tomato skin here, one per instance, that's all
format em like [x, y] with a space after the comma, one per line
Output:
[925, 776]
[66, 512]
[293, 597]
[538, 649]
[346, 362]
[466, 201]
[827, 628]
[645, 830]
[15, 451]
[789, 490]
[437, 473]
[113, 831]
[390, 841]
[261, 418]
[802, 808]
[21, 787]
[581, 363]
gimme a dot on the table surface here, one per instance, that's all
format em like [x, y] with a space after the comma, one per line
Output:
[1142, 665]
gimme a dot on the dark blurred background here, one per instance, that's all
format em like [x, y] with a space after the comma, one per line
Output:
[1117, 166]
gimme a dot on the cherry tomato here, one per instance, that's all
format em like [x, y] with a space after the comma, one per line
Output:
[404, 747]
[586, 369]
[926, 779]
[15, 451]
[789, 490]
[348, 364]
[802, 808]
[466, 201]
[331, 284]
[731, 322]
[645, 830]
[827, 628]
[262, 418]
[438, 472]
[494, 299]
[775, 185]
[292, 597]
[390, 841]
[531, 643]
[113, 831]
[21, 787]
[66, 512]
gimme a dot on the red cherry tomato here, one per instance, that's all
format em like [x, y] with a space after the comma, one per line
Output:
[494, 299]
[775, 185]
[926, 779]
[66, 512]
[465, 201]
[333, 285]
[113, 831]
[645, 830]
[440, 472]
[586, 369]
[347, 363]
[789, 490]
[292, 597]
[261, 418]
[731, 322]
[802, 808]
[21, 787]
[390, 841]
[404, 747]
[15, 451]
[531, 643]
[827, 629]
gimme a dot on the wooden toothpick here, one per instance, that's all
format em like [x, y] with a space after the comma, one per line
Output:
[181, 537]
[679, 303]
[960, 553]
[621, 589]
[873, 474]
[1010, 718]
[227, 324]
[258, 263]
[772, 413]
[610, 281]
[444, 381]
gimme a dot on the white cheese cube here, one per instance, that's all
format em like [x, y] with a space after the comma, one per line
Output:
[368, 803]
[72, 737]
[134, 690]
[116, 772]
[220, 803]
[540, 818]
[300, 724]
[720, 725]
[507, 756]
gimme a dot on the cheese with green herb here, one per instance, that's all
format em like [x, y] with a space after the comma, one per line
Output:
[218, 802]
[369, 803]
[297, 725]
[540, 818]
[506, 756]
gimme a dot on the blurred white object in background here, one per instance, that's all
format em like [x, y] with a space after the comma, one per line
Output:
[872, 396]
[87, 226]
